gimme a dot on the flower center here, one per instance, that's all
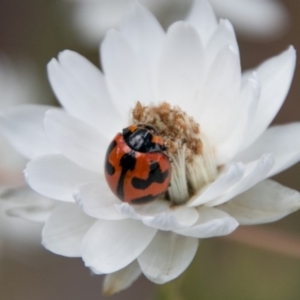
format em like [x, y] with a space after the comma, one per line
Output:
[193, 160]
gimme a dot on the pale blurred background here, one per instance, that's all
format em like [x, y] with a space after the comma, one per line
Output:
[223, 269]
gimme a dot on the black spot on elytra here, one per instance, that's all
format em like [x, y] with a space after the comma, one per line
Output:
[145, 199]
[155, 176]
[108, 166]
[127, 163]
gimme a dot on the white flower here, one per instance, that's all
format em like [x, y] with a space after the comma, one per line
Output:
[260, 19]
[188, 83]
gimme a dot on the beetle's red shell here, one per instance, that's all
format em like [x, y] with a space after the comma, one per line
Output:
[136, 177]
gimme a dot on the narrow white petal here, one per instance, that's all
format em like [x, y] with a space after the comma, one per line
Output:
[249, 97]
[226, 180]
[121, 280]
[218, 104]
[146, 36]
[181, 66]
[81, 89]
[281, 140]
[77, 140]
[158, 214]
[98, 201]
[203, 18]
[268, 201]
[56, 177]
[23, 127]
[222, 37]
[110, 246]
[212, 222]
[171, 218]
[167, 256]
[65, 229]
[255, 172]
[284, 161]
[138, 22]
[127, 81]
[275, 75]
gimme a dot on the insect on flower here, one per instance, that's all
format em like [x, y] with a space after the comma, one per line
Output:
[136, 168]
[182, 89]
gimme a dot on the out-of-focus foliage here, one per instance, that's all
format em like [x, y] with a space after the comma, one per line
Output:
[227, 271]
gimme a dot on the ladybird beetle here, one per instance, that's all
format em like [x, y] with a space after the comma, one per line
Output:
[136, 168]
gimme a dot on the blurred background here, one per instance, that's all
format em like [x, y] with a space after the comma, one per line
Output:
[34, 31]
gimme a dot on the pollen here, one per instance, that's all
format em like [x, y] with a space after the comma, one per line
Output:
[193, 160]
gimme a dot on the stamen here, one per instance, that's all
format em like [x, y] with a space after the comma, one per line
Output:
[194, 164]
[179, 190]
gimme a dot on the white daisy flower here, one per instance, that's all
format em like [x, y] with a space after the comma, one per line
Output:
[186, 82]
[258, 19]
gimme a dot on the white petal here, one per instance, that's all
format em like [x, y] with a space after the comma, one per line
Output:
[212, 222]
[77, 140]
[146, 36]
[281, 140]
[112, 245]
[226, 180]
[23, 127]
[65, 229]
[98, 201]
[56, 177]
[81, 89]
[181, 66]
[127, 81]
[158, 214]
[121, 280]
[167, 256]
[222, 37]
[255, 172]
[203, 18]
[268, 201]
[284, 161]
[276, 75]
[218, 105]
[249, 97]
